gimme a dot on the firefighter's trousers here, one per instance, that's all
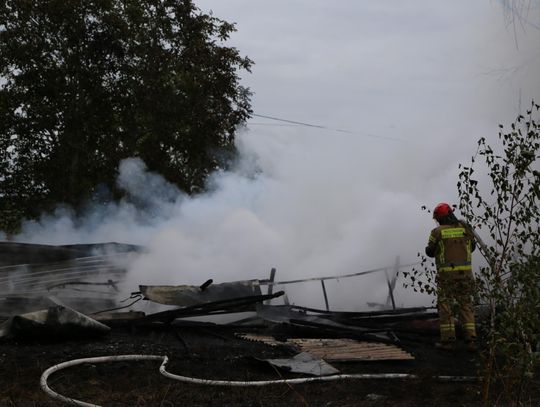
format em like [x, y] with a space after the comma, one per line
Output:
[455, 287]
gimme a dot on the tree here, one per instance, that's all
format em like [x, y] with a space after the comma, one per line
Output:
[506, 206]
[502, 199]
[85, 84]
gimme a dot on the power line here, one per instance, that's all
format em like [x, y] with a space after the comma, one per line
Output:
[317, 126]
[272, 124]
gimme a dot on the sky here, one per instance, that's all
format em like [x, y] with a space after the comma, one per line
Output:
[402, 91]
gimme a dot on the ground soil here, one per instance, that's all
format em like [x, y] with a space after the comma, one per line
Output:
[220, 355]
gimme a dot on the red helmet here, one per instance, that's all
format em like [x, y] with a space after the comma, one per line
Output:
[442, 210]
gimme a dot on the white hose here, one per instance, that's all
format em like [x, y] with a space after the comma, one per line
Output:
[209, 382]
[101, 359]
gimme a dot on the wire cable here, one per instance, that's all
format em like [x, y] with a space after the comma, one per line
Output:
[122, 307]
[317, 126]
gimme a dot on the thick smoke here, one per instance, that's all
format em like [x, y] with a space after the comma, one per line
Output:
[295, 202]
[314, 202]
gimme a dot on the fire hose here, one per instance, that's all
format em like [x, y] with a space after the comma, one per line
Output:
[162, 369]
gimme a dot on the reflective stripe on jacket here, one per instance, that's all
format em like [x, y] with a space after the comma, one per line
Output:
[451, 245]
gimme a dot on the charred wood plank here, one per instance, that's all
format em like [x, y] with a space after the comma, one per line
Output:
[223, 306]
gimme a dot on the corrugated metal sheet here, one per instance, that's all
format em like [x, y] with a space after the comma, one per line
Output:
[268, 340]
[338, 350]
[55, 321]
[350, 350]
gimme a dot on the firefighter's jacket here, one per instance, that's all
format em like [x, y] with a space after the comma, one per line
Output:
[451, 245]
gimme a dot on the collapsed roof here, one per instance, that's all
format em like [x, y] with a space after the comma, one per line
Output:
[79, 285]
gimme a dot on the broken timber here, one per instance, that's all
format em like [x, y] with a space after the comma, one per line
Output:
[301, 320]
[212, 308]
[373, 326]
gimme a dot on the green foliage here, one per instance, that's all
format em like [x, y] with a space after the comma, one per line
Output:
[506, 206]
[422, 278]
[502, 198]
[86, 84]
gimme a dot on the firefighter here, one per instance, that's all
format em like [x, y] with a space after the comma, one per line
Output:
[451, 244]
